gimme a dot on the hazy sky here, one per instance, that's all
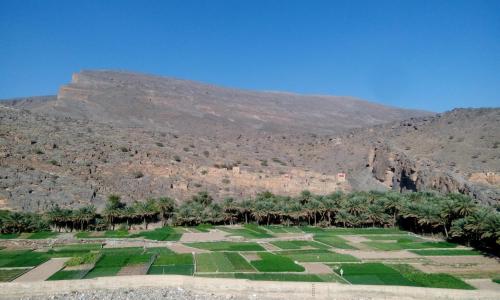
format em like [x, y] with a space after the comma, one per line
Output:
[432, 55]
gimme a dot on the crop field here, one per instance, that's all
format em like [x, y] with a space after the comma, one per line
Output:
[317, 256]
[307, 254]
[333, 241]
[446, 252]
[295, 245]
[275, 263]
[10, 274]
[227, 246]
[401, 245]
[248, 231]
[222, 262]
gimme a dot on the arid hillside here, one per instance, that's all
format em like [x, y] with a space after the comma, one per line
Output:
[142, 136]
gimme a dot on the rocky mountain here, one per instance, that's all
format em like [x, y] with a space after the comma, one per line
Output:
[141, 136]
[136, 100]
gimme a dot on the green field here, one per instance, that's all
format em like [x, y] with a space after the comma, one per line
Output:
[160, 234]
[21, 258]
[246, 258]
[222, 262]
[380, 274]
[227, 246]
[68, 275]
[388, 246]
[249, 231]
[293, 245]
[282, 229]
[11, 274]
[333, 241]
[317, 256]
[446, 252]
[275, 263]
[168, 262]
[351, 231]
[7, 236]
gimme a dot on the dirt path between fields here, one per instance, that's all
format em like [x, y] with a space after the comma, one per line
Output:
[43, 271]
[242, 288]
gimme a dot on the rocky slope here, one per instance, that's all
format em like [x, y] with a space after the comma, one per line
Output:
[101, 137]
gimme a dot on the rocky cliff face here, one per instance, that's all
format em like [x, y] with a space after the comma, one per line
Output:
[141, 136]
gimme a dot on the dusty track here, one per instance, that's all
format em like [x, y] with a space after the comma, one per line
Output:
[241, 288]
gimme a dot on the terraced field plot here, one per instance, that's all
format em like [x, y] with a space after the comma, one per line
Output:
[275, 263]
[112, 260]
[317, 256]
[248, 231]
[169, 262]
[11, 274]
[333, 241]
[21, 258]
[288, 257]
[222, 262]
[282, 229]
[446, 252]
[387, 246]
[227, 246]
[380, 274]
[290, 245]
[160, 234]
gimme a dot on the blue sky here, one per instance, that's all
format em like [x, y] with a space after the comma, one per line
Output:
[433, 55]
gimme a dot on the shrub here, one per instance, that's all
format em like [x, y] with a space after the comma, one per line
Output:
[177, 158]
[138, 174]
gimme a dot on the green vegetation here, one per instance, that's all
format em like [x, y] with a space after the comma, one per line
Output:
[334, 241]
[168, 262]
[21, 258]
[380, 274]
[11, 274]
[221, 262]
[372, 273]
[68, 275]
[112, 260]
[275, 263]
[279, 277]
[419, 278]
[456, 216]
[446, 252]
[227, 246]
[411, 245]
[88, 258]
[291, 245]
[317, 256]
[249, 231]
[160, 234]
[496, 279]
[6, 236]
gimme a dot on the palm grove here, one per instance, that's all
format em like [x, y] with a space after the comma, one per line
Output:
[456, 216]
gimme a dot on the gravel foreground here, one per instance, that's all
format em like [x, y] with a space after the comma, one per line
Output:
[133, 294]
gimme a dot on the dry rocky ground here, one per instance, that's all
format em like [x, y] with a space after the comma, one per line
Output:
[132, 294]
[143, 136]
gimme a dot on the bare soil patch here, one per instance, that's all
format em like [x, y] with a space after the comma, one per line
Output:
[251, 256]
[180, 248]
[270, 247]
[211, 236]
[43, 271]
[317, 268]
[141, 269]
[355, 238]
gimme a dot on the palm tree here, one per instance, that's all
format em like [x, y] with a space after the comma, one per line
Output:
[245, 208]
[166, 205]
[464, 205]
